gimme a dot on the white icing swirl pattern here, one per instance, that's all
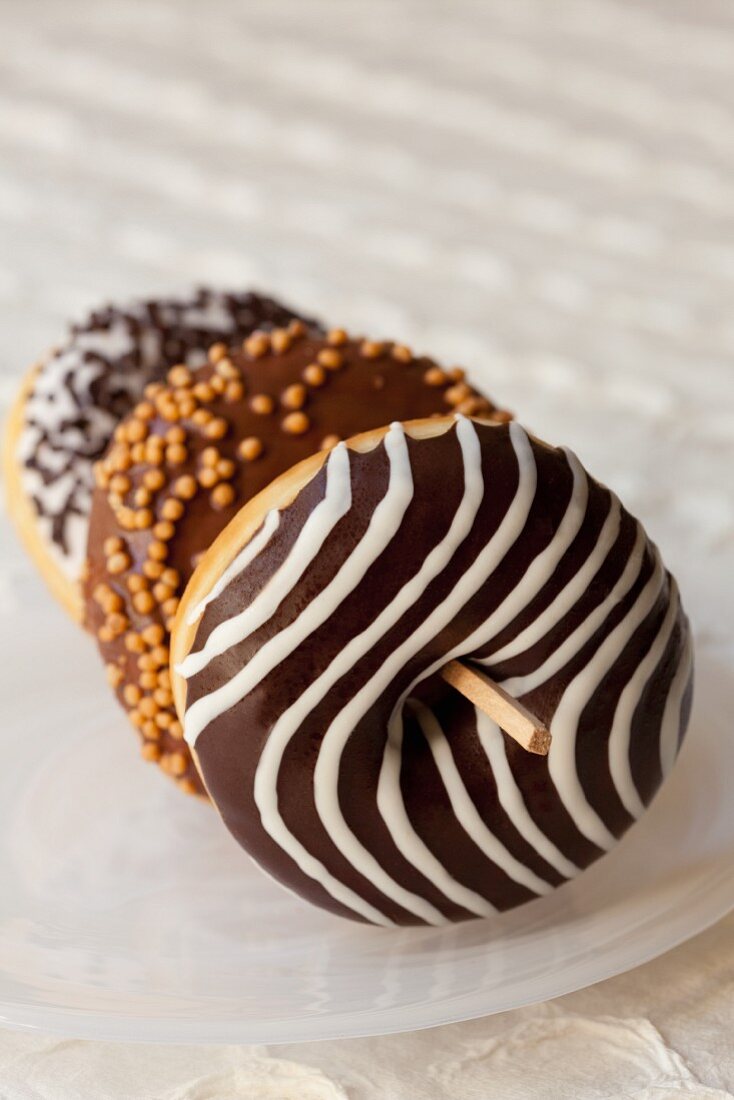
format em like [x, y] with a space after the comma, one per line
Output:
[576, 657]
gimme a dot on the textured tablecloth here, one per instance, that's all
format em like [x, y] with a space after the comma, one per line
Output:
[544, 188]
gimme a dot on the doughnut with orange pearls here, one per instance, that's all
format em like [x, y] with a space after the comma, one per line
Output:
[196, 449]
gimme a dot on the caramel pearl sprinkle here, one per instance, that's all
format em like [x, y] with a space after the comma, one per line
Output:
[458, 393]
[113, 545]
[179, 376]
[233, 392]
[143, 519]
[401, 353]
[134, 643]
[158, 550]
[262, 404]
[257, 345]
[296, 423]
[280, 340]
[143, 602]
[164, 530]
[209, 456]
[120, 484]
[209, 440]
[250, 448]
[314, 375]
[176, 454]
[154, 480]
[177, 763]
[132, 694]
[114, 675]
[154, 634]
[208, 477]
[294, 397]
[216, 428]
[172, 509]
[203, 391]
[222, 496]
[185, 487]
[434, 376]
[118, 563]
[137, 430]
[162, 592]
[217, 352]
[331, 359]
[225, 370]
[371, 349]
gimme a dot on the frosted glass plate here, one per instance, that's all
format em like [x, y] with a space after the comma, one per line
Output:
[127, 912]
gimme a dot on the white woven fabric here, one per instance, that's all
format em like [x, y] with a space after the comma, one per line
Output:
[541, 192]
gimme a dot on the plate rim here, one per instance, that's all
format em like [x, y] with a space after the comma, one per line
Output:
[156, 1030]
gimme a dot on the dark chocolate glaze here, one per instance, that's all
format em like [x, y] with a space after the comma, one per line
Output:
[229, 747]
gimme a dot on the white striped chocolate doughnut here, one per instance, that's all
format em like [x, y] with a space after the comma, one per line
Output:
[307, 648]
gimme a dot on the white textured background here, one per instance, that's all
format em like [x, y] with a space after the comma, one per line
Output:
[541, 191]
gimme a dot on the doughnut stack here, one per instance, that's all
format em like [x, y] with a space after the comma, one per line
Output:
[289, 532]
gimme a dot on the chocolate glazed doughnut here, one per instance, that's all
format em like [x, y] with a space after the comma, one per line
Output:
[306, 653]
[71, 403]
[192, 453]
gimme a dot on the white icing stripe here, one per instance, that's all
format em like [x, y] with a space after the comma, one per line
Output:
[511, 799]
[384, 524]
[568, 596]
[327, 766]
[619, 737]
[334, 506]
[543, 566]
[235, 567]
[565, 721]
[575, 642]
[670, 732]
[464, 809]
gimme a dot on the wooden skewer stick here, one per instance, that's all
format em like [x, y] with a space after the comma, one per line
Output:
[490, 698]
